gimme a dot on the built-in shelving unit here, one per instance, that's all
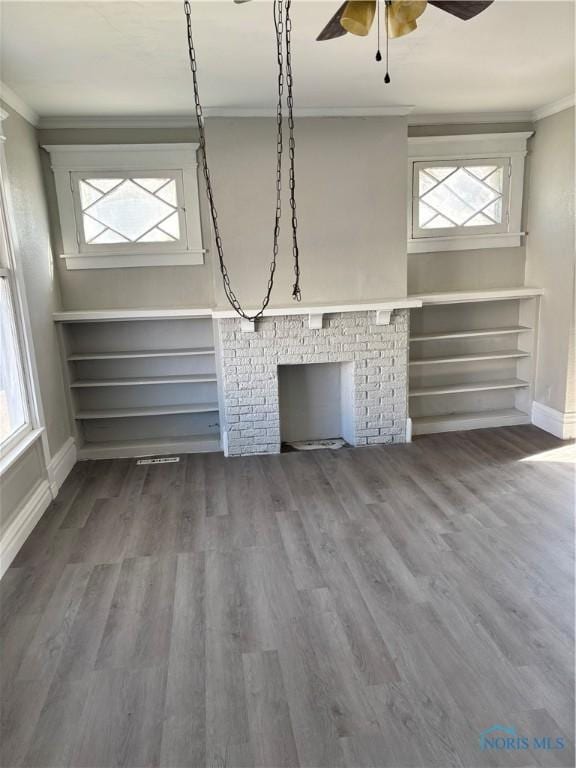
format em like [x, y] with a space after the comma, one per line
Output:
[141, 382]
[471, 359]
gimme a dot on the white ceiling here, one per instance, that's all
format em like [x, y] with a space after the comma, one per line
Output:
[112, 58]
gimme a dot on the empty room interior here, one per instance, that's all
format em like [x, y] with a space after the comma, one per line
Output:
[287, 383]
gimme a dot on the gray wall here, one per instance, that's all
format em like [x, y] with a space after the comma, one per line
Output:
[550, 254]
[351, 188]
[351, 183]
[145, 287]
[460, 270]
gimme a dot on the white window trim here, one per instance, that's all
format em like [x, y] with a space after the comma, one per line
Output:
[511, 146]
[70, 160]
[35, 428]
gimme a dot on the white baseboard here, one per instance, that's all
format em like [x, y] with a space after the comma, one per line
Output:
[562, 425]
[23, 524]
[408, 430]
[61, 465]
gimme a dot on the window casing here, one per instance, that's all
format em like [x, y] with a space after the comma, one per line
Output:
[14, 411]
[128, 205]
[465, 192]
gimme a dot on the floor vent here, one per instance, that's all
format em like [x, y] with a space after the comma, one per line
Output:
[159, 460]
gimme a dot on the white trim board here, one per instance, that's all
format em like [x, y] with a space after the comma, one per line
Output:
[14, 101]
[381, 305]
[23, 524]
[132, 449]
[61, 465]
[554, 107]
[562, 425]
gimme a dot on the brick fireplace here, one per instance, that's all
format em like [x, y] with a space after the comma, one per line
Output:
[374, 341]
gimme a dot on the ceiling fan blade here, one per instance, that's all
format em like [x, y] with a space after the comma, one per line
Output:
[334, 29]
[462, 10]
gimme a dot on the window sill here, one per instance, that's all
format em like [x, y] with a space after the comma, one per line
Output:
[123, 261]
[465, 243]
[13, 454]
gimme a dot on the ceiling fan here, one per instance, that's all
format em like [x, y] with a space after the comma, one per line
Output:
[357, 17]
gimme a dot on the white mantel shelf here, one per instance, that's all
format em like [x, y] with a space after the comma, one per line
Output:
[316, 312]
[383, 307]
[464, 297]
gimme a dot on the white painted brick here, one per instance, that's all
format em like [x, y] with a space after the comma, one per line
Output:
[250, 383]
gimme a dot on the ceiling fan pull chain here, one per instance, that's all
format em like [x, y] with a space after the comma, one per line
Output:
[278, 12]
[387, 75]
[378, 54]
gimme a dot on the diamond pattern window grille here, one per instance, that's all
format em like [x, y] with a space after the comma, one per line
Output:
[129, 210]
[460, 196]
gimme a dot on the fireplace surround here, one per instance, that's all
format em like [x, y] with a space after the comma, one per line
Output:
[374, 341]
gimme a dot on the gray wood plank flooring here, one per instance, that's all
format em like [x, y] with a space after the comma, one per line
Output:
[366, 608]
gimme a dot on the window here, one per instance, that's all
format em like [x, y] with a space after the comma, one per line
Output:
[144, 212]
[14, 421]
[129, 209]
[460, 194]
[463, 197]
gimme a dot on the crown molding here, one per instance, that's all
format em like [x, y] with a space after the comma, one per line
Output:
[467, 118]
[398, 110]
[551, 109]
[14, 101]
[56, 123]
[189, 121]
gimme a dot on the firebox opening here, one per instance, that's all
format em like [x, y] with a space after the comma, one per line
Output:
[316, 402]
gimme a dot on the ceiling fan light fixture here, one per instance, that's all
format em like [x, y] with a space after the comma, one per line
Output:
[408, 10]
[397, 27]
[358, 17]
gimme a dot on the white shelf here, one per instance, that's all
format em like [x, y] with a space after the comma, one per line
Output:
[464, 297]
[118, 315]
[452, 422]
[190, 352]
[470, 334]
[480, 386]
[193, 378]
[123, 449]
[156, 410]
[472, 357]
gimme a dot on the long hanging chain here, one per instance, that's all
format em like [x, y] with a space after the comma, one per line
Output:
[292, 151]
[282, 23]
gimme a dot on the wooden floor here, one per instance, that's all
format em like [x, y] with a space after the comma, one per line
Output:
[371, 607]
